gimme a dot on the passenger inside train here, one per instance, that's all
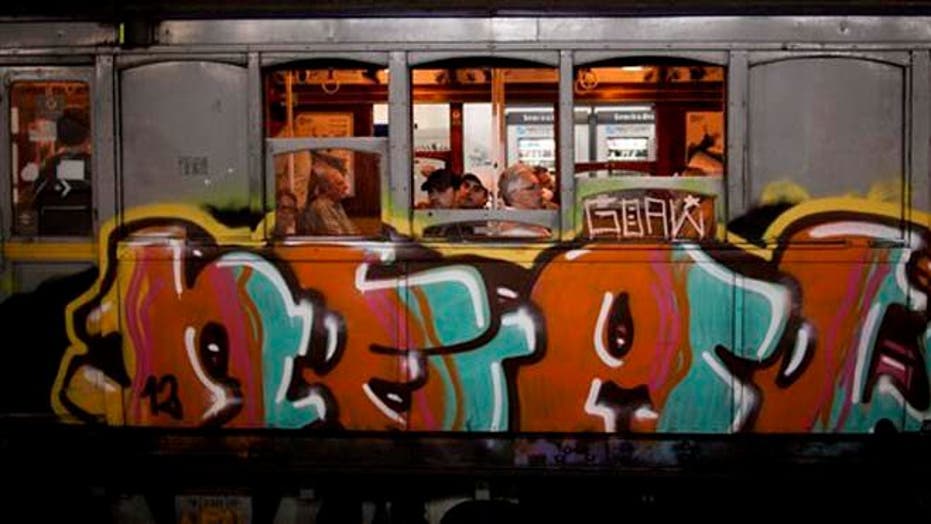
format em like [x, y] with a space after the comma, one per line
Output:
[441, 186]
[472, 193]
[324, 214]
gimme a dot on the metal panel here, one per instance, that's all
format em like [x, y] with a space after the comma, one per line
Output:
[901, 58]
[729, 29]
[711, 57]
[712, 31]
[431, 217]
[184, 133]
[348, 30]
[277, 146]
[55, 34]
[23, 57]
[566, 128]
[831, 126]
[273, 59]
[736, 160]
[104, 187]
[550, 58]
[401, 146]
[920, 168]
[128, 60]
[254, 100]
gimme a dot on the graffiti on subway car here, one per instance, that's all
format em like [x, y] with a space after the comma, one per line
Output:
[183, 327]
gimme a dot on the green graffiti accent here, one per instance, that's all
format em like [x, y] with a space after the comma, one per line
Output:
[457, 303]
[763, 308]
[284, 327]
[702, 401]
[885, 402]
[485, 403]
[710, 398]
[456, 300]
[438, 366]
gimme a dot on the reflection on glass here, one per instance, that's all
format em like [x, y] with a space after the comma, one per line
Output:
[330, 192]
[50, 146]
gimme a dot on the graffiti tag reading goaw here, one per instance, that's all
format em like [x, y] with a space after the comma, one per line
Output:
[649, 214]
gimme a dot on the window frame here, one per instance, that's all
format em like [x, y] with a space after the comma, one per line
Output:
[380, 146]
[421, 219]
[366, 144]
[87, 74]
[716, 185]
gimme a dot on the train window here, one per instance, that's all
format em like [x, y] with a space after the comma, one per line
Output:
[328, 122]
[484, 150]
[823, 127]
[649, 150]
[50, 146]
[327, 192]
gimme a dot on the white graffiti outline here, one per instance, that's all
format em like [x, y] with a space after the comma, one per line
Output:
[302, 310]
[917, 299]
[593, 408]
[872, 317]
[597, 337]
[777, 296]
[745, 397]
[800, 349]
[388, 412]
[458, 274]
[220, 399]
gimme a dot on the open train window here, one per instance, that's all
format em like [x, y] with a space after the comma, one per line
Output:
[326, 154]
[649, 149]
[484, 139]
[50, 148]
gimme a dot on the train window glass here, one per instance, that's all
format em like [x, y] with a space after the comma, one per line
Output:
[649, 150]
[50, 146]
[484, 150]
[823, 127]
[329, 191]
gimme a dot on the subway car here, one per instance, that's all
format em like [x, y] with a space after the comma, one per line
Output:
[271, 254]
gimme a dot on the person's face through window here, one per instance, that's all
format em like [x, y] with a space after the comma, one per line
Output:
[441, 198]
[472, 195]
[526, 193]
[335, 185]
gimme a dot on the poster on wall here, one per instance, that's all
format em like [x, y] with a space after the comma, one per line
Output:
[329, 125]
[704, 139]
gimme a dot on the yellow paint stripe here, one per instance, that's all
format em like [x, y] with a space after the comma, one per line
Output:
[50, 251]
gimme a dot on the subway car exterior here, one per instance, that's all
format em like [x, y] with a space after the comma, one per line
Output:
[726, 244]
